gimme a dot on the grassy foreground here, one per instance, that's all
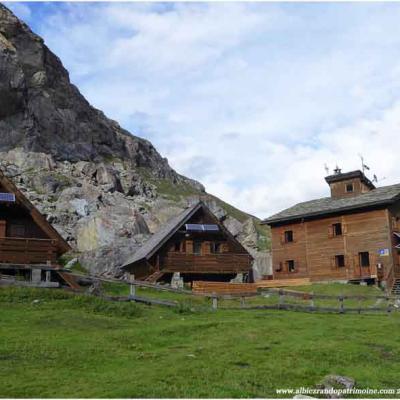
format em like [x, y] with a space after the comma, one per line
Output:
[73, 346]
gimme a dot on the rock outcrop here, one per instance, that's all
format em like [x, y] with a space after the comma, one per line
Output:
[104, 189]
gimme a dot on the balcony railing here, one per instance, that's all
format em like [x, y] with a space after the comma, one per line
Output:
[210, 263]
[28, 251]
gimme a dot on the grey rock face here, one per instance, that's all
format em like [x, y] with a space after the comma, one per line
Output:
[41, 111]
[107, 260]
[96, 183]
[233, 226]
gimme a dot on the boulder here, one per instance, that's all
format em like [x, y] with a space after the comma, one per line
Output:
[233, 225]
[107, 226]
[107, 260]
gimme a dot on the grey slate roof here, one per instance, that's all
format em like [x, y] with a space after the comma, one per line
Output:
[377, 197]
[162, 235]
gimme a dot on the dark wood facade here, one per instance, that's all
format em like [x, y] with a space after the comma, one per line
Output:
[197, 255]
[25, 235]
[339, 244]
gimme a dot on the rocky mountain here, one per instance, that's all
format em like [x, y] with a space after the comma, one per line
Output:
[103, 188]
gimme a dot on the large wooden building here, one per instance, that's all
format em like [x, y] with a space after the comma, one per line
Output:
[194, 244]
[29, 245]
[351, 235]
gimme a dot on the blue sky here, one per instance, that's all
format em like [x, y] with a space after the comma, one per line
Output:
[252, 99]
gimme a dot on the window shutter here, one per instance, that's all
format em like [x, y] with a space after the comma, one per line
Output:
[189, 246]
[282, 236]
[344, 228]
[330, 231]
[333, 262]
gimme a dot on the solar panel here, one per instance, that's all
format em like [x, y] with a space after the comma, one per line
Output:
[211, 227]
[194, 227]
[202, 227]
[8, 197]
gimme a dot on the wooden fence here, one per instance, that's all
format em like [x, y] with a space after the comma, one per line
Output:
[303, 301]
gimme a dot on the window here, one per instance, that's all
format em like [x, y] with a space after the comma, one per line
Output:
[364, 259]
[349, 188]
[17, 230]
[337, 229]
[290, 266]
[339, 261]
[215, 247]
[197, 248]
[177, 246]
[288, 236]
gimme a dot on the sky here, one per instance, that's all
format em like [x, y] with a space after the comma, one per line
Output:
[254, 100]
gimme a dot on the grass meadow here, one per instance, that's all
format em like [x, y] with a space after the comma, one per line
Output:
[57, 344]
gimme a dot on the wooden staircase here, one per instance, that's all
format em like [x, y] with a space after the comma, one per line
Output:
[396, 287]
[154, 276]
[70, 280]
[393, 280]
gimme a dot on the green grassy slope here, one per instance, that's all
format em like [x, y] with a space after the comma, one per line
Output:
[66, 346]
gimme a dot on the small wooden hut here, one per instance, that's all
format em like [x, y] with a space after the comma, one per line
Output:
[195, 245]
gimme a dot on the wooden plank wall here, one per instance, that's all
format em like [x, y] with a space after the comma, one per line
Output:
[204, 287]
[338, 189]
[315, 247]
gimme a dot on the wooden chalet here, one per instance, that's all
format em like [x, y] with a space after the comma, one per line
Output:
[29, 245]
[352, 235]
[194, 245]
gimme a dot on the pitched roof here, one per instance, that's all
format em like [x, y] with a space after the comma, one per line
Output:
[162, 235]
[40, 220]
[381, 196]
[149, 248]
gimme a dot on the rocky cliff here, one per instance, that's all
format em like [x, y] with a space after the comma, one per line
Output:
[103, 188]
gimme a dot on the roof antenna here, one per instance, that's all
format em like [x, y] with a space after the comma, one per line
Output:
[363, 165]
[326, 169]
[376, 180]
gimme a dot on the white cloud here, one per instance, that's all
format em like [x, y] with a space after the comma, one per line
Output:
[251, 99]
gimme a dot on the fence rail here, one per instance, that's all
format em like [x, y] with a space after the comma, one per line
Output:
[275, 299]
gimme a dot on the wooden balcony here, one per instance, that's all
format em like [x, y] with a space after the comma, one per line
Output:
[28, 251]
[211, 263]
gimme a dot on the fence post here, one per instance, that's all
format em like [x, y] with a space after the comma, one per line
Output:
[312, 305]
[242, 302]
[132, 287]
[214, 302]
[389, 308]
[341, 307]
[281, 298]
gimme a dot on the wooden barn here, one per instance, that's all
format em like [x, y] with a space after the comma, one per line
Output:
[194, 245]
[29, 245]
[352, 235]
